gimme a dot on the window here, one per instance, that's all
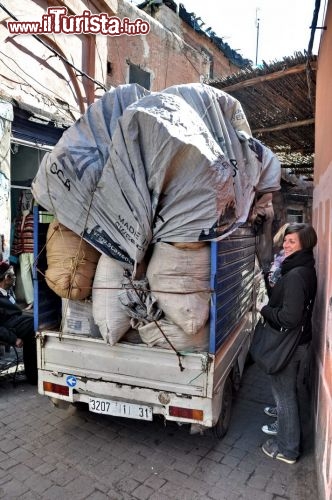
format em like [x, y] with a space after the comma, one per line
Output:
[138, 75]
[294, 215]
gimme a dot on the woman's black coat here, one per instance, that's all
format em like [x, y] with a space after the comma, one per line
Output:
[292, 293]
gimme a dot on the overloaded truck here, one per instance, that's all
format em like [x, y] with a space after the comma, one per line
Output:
[137, 381]
[145, 180]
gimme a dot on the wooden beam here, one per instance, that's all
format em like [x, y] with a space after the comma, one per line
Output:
[299, 68]
[283, 126]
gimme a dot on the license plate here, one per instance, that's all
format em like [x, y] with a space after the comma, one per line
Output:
[120, 409]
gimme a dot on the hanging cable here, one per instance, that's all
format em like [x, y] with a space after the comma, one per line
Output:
[83, 73]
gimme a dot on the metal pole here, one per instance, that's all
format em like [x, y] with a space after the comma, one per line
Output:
[257, 35]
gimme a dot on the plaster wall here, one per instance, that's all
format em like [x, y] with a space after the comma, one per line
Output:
[322, 221]
[33, 75]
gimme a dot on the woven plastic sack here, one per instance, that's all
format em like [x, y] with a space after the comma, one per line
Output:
[152, 336]
[180, 281]
[71, 263]
[108, 312]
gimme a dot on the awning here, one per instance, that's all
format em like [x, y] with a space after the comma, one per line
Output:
[30, 131]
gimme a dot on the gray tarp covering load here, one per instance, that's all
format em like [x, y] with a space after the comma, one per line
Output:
[177, 165]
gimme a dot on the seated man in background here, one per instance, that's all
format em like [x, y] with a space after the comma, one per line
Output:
[16, 328]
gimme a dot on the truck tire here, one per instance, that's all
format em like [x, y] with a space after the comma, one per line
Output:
[222, 425]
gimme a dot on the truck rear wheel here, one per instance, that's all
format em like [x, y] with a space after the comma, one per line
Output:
[222, 425]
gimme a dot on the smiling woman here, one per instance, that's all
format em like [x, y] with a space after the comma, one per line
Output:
[291, 244]
[303, 235]
[290, 307]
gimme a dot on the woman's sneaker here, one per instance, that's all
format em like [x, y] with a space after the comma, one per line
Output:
[271, 411]
[271, 429]
[270, 448]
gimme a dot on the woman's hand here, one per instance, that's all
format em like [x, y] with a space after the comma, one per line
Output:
[260, 304]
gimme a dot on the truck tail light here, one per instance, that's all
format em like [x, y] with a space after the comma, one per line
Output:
[176, 411]
[56, 388]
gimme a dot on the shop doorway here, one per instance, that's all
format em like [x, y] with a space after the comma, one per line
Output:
[25, 161]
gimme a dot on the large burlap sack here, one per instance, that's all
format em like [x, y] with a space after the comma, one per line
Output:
[180, 281]
[152, 336]
[108, 312]
[71, 263]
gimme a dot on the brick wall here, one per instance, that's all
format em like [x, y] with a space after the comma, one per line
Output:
[172, 52]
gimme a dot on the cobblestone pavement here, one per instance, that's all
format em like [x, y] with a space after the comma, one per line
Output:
[47, 453]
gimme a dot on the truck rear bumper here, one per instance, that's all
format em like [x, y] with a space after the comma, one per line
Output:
[126, 401]
[81, 369]
[78, 369]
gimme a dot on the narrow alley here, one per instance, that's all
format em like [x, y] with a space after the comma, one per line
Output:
[47, 453]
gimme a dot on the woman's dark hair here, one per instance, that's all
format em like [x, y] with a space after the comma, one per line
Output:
[307, 234]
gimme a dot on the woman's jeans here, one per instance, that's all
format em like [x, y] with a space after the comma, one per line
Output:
[284, 390]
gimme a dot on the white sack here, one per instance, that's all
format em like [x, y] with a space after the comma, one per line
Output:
[180, 281]
[112, 320]
[132, 337]
[152, 336]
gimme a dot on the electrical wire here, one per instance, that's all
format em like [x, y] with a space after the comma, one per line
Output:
[183, 53]
[100, 61]
[82, 73]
